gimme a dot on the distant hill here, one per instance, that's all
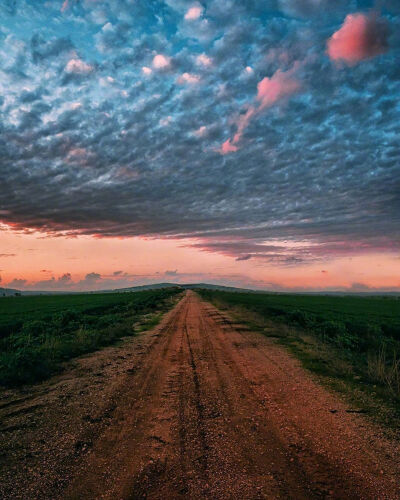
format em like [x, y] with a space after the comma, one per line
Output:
[185, 286]
[5, 292]
[211, 286]
[153, 286]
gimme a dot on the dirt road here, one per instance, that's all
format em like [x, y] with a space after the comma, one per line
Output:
[209, 410]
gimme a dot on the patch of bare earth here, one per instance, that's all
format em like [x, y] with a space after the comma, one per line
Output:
[198, 408]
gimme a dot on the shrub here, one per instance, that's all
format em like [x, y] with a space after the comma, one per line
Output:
[371, 337]
[24, 365]
[66, 319]
[331, 329]
[385, 368]
[302, 318]
[34, 329]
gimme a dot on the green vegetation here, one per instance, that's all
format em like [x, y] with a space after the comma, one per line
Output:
[352, 341]
[350, 320]
[15, 311]
[40, 332]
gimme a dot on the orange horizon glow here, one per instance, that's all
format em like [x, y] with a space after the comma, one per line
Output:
[133, 261]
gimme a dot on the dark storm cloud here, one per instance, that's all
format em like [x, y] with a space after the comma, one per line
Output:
[98, 138]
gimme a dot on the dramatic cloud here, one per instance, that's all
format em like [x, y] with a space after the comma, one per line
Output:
[115, 115]
[362, 36]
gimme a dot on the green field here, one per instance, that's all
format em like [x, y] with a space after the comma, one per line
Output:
[15, 311]
[38, 333]
[355, 318]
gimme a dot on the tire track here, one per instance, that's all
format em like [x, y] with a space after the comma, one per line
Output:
[199, 407]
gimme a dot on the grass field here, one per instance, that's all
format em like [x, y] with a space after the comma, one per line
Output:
[15, 311]
[38, 333]
[352, 340]
[350, 319]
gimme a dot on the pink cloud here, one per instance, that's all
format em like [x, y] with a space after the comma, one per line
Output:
[77, 152]
[281, 85]
[78, 156]
[200, 132]
[203, 60]
[361, 37]
[78, 66]
[161, 62]
[188, 78]
[228, 147]
[194, 13]
[243, 123]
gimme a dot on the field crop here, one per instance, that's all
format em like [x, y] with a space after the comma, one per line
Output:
[355, 321]
[38, 333]
[15, 311]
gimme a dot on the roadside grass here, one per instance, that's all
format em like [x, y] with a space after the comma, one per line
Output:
[41, 344]
[368, 377]
[148, 322]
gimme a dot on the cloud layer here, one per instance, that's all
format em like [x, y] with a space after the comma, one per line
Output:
[114, 113]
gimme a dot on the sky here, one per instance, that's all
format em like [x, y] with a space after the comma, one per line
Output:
[246, 143]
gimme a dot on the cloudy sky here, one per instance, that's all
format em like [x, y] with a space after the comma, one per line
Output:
[252, 143]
